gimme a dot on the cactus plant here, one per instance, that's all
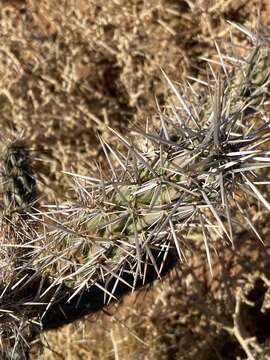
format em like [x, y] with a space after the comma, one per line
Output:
[198, 172]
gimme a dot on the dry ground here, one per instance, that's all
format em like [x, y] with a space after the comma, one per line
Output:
[68, 69]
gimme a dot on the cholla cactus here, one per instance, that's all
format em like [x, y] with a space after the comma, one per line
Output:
[17, 230]
[201, 166]
[197, 174]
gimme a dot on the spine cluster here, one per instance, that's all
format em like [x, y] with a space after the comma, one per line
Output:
[18, 181]
[198, 173]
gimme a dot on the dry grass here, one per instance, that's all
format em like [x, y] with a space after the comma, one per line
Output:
[70, 68]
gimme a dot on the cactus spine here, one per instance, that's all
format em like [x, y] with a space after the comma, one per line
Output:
[203, 164]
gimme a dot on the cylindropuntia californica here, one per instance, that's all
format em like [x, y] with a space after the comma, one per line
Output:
[199, 172]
